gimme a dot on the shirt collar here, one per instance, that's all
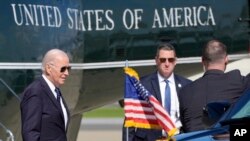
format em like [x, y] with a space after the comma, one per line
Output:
[51, 85]
[170, 78]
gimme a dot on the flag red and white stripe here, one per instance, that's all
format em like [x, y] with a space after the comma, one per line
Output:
[142, 109]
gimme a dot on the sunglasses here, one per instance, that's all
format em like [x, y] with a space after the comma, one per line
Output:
[64, 68]
[170, 60]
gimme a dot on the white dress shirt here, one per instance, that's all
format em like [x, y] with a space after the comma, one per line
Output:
[52, 88]
[174, 108]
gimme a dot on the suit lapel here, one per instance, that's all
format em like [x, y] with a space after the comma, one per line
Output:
[51, 95]
[178, 84]
[156, 87]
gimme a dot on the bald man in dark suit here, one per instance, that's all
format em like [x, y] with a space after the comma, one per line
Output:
[44, 113]
[214, 86]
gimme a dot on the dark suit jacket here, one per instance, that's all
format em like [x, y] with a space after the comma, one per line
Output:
[152, 85]
[213, 86]
[42, 118]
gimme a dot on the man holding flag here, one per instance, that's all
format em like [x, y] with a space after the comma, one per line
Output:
[145, 117]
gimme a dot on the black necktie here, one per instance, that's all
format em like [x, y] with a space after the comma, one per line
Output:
[58, 95]
[167, 97]
[58, 98]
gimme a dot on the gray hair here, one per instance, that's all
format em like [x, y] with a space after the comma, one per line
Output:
[51, 56]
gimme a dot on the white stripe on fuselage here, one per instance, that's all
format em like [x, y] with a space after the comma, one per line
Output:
[113, 64]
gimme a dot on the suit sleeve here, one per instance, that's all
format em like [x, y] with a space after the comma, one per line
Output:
[184, 117]
[31, 112]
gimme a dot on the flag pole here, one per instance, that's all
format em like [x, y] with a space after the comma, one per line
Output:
[127, 131]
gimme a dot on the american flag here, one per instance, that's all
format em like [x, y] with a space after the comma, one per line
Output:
[142, 109]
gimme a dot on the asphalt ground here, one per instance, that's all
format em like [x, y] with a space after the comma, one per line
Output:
[100, 129]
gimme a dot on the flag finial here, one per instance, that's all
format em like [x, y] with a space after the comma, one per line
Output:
[126, 63]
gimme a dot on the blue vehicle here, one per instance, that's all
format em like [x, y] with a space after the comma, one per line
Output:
[237, 115]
